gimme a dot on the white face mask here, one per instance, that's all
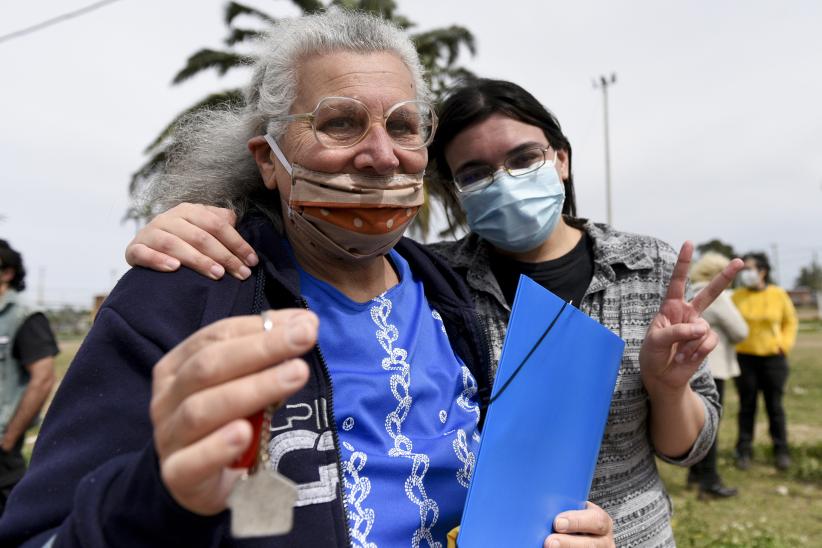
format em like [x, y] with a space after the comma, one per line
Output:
[749, 278]
[349, 216]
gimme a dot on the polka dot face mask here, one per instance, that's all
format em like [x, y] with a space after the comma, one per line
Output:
[350, 216]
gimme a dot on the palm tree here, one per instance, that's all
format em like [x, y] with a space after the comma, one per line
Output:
[438, 48]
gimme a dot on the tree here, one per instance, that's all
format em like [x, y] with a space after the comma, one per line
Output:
[439, 50]
[810, 277]
[717, 246]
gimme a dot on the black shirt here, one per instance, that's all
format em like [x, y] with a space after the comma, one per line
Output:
[567, 277]
[34, 340]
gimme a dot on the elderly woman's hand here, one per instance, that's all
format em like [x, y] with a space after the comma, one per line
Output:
[200, 237]
[589, 528]
[204, 388]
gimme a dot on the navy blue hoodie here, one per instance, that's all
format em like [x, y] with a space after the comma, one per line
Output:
[94, 477]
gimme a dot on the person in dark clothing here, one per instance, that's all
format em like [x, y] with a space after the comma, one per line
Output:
[380, 386]
[27, 350]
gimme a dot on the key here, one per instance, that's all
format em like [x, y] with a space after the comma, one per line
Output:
[262, 502]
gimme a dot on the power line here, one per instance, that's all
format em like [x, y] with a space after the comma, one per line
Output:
[55, 20]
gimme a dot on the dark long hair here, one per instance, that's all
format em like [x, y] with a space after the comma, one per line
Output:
[473, 102]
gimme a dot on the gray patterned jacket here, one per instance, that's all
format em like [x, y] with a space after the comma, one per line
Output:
[631, 274]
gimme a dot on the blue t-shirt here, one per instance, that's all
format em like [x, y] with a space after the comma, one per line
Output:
[405, 409]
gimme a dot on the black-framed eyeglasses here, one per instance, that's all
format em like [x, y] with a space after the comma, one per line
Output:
[342, 122]
[517, 164]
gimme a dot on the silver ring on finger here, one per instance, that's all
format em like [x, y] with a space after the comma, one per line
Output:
[268, 323]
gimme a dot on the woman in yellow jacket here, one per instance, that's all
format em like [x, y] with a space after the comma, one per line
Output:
[772, 326]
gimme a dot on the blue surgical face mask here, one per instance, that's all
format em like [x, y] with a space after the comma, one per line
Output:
[516, 213]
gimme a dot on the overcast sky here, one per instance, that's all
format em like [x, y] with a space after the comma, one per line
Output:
[716, 124]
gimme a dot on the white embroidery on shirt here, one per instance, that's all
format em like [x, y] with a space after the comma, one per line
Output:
[396, 361]
[469, 390]
[436, 316]
[464, 401]
[357, 487]
[465, 456]
[460, 443]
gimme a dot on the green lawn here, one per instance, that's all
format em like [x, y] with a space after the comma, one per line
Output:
[773, 509]
[68, 348]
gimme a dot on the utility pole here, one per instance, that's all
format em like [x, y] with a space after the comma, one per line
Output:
[603, 83]
[817, 290]
[775, 263]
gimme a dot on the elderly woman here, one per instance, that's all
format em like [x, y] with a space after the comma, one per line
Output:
[380, 420]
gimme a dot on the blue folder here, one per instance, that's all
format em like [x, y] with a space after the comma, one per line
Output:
[545, 423]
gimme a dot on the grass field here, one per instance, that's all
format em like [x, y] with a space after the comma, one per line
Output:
[774, 509]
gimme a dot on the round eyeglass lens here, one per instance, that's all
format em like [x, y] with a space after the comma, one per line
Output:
[343, 122]
[410, 124]
[340, 122]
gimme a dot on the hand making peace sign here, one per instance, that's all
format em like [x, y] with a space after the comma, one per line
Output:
[678, 338]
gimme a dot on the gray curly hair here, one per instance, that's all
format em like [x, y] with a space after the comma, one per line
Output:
[209, 162]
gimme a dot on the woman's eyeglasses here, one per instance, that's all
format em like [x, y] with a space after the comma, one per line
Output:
[516, 164]
[342, 122]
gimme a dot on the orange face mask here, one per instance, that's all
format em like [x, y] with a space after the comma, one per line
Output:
[350, 216]
[353, 216]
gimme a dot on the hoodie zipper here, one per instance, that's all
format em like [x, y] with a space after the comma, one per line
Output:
[329, 408]
[333, 427]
